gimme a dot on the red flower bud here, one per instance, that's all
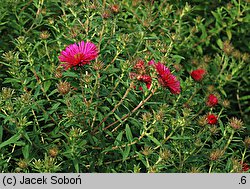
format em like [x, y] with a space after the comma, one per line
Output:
[212, 100]
[198, 74]
[211, 119]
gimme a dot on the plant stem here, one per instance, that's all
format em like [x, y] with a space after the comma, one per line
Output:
[229, 141]
[133, 111]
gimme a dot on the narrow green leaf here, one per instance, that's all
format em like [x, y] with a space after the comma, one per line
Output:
[222, 128]
[128, 133]
[70, 74]
[53, 92]
[117, 117]
[76, 165]
[26, 151]
[1, 133]
[11, 140]
[126, 153]
[229, 34]
[154, 140]
[118, 139]
[47, 84]
[141, 157]
[219, 43]
[55, 106]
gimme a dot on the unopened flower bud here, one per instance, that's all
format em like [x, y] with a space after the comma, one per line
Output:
[146, 116]
[147, 151]
[236, 54]
[213, 129]
[165, 154]
[53, 152]
[106, 14]
[247, 142]
[159, 115]
[44, 35]
[22, 164]
[236, 123]
[226, 103]
[7, 93]
[8, 56]
[245, 57]
[227, 47]
[216, 154]
[98, 65]
[202, 121]
[207, 58]
[58, 72]
[64, 87]
[115, 8]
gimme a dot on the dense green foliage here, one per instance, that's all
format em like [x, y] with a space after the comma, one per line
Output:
[92, 119]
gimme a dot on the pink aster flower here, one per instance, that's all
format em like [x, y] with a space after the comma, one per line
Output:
[78, 54]
[167, 79]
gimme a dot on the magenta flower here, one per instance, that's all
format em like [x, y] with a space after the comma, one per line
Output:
[78, 54]
[167, 79]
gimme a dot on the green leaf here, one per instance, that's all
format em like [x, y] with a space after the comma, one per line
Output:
[126, 153]
[112, 70]
[53, 92]
[118, 139]
[1, 133]
[219, 43]
[154, 140]
[141, 157]
[27, 137]
[229, 34]
[26, 151]
[117, 117]
[247, 97]
[47, 85]
[222, 128]
[76, 165]
[11, 140]
[181, 138]
[70, 74]
[128, 133]
[55, 106]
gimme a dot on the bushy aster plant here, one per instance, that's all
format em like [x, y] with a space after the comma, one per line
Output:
[124, 86]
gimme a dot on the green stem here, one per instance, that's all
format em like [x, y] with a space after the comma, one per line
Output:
[210, 168]
[229, 140]
[243, 155]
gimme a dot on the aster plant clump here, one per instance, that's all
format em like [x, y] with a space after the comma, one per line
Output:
[124, 86]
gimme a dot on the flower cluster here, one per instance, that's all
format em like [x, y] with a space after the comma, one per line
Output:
[141, 74]
[165, 77]
[82, 53]
[212, 101]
